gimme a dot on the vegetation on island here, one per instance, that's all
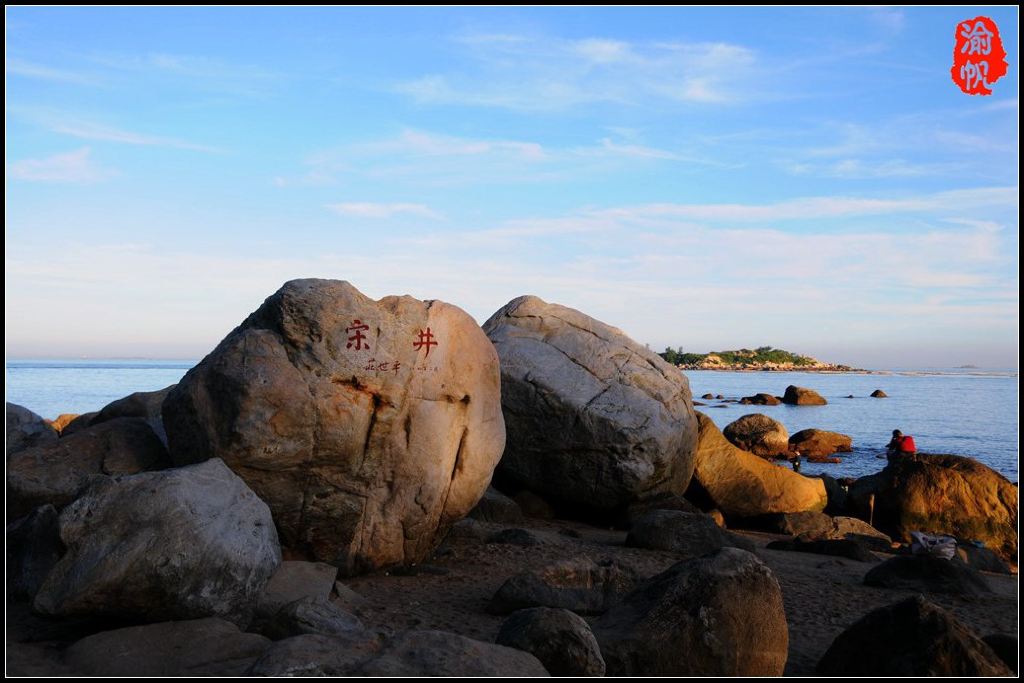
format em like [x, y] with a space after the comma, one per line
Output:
[762, 355]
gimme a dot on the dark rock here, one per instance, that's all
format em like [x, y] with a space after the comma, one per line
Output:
[200, 647]
[579, 585]
[33, 548]
[801, 396]
[520, 537]
[760, 400]
[310, 616]
[878, 393]
[81, 422]
[910, 638]
[368, 427]
[533, 505]
[708, 396]
[851, 550]
[1006, 647]
[836, 495]
[498, 508]
[178, 544]
[662, 502]
[758, 434]
[561, 640]
[294, 580]
[437, 653]
[712, 616]
[25, 429]
[929, 575]
[316, 655]
[719, 397]
[813, 525]
[687, 534]
[144, 404]
[982, 559]
[57, 472]
[593, 417]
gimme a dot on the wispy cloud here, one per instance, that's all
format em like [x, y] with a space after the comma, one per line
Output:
[384, 211]
[70, 167]
[25, 69]
[544, 73]
[94, 131]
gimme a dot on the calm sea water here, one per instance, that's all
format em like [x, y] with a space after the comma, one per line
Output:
[966, 412]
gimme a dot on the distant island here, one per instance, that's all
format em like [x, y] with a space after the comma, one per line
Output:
[761, 358]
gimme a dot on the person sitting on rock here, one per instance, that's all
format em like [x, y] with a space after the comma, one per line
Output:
[901, 446]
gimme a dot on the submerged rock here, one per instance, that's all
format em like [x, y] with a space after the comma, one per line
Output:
[368, 427]
[593, 418]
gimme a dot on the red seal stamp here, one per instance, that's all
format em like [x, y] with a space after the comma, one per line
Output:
[979, 59]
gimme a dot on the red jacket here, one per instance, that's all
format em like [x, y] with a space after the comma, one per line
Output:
[907, 445]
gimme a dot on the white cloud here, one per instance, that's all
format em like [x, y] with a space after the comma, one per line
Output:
[375, 210]
[535, 74]
[70, 167]
[94, 131]
[19, 67]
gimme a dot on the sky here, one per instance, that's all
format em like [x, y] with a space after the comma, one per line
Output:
[708, 178]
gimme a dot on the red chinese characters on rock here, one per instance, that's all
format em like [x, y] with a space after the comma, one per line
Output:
[979, 59]
[425, 341]
[358, 339]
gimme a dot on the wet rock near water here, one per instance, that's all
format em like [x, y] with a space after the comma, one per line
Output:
[760, 400]
[802, 396]
[820, 443]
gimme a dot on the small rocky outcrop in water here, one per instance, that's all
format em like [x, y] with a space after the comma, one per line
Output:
[368, 427]
[178, 544]
[719, 615]
[878, 393]
[25, 429]
[760, 400]
[910, 638]
[594, 419]
[801, 396]
[942, 494]
[758, 434]
[820, 443]
[741, 484]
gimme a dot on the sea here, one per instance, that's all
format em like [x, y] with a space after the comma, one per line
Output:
[965, 411]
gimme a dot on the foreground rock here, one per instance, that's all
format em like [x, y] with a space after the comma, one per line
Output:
[295, 580]
[579, 585]
[942, 494]
[1006, 647]
[144, 404]
[316, 655]
[910, 638]
[820, 443]
[929, 575]
[741, 484]
[368, 427]
[816, 526]
[714, 616]
[33, 548]
[25, 429]
[561, 640]
[498, 508]
[687, 534]
[56, 472]
[199, 647]
[437, 653]
[593, 418]
[801, 396]
[758, 434]
[179, 544]
[851, 550]
[311, 616]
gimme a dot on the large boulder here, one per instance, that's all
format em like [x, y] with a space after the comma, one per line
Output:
[317, 655]
[497, 508]
[802, 396]
[198, 647]
[594, 419]
[145, 404]
[438, 653]
[368, 427]
[56, 472]
[928, 575]
[33, 548]
[294, 580]
[25, 429]
[719, 615]
[741, 484]
[579, 585]
[683, 533]
[910, 638]
[179, 544]
[311, 616]
[819, 443]
[941, 494]
[758, 434]
[561, 640]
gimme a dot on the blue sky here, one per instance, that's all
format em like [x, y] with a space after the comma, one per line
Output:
[706, 178]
